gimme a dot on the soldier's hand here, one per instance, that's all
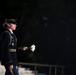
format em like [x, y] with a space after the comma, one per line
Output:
[24, 48]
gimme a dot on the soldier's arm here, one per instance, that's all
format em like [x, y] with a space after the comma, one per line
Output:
[5, 47]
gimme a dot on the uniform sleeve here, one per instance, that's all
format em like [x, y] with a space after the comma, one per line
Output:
[5, 48]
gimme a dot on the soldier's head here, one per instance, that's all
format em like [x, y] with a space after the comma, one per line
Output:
[10, 23]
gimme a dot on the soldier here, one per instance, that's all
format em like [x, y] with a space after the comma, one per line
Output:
[8, 47]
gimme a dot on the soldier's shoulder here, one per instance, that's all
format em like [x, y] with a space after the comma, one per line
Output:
[5, 33]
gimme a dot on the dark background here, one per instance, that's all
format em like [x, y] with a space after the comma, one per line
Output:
[49, 24]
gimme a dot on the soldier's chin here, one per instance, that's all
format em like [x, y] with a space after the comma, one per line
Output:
[14, 29]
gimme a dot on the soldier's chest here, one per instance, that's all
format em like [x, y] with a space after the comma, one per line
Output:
[13, 39]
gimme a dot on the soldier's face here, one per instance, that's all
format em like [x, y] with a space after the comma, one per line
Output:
[13, 26]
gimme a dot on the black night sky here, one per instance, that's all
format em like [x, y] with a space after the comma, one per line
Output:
[49, 24]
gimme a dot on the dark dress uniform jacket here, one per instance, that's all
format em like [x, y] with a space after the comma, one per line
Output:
[9, 41]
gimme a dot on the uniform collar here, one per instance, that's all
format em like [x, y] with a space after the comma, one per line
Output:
[11, 31]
